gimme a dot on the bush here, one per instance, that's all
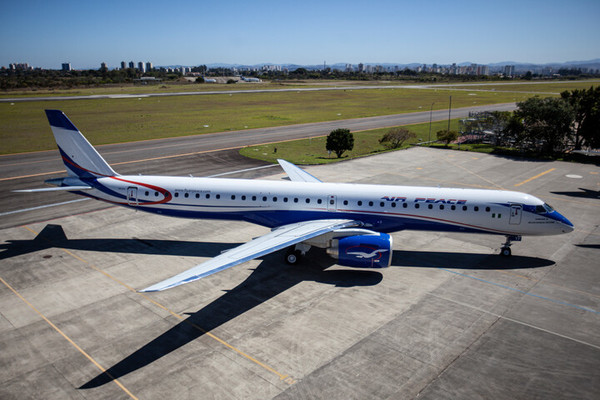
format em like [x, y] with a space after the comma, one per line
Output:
[395, 137]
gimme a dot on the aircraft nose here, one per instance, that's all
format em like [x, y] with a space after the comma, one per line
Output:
[567, 226]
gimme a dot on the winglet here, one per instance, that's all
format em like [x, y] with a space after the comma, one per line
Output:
[296, 174]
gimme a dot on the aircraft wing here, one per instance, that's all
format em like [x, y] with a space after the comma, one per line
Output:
[277, 239]
[295, 173]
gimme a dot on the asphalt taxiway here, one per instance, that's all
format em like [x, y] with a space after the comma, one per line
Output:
[448, 319]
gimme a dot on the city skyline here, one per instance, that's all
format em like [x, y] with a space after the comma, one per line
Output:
[381, 32]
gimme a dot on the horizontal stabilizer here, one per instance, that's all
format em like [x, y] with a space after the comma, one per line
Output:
[54, 189]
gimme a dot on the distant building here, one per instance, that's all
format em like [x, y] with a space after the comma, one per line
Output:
[149, 66]
[19, 67]
[66, 67]
[142, 67]
[103, 67]
[123, 65]
[361, 67]
[131, 64]
[509, 70]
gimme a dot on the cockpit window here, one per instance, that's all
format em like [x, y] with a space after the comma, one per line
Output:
[543, 209]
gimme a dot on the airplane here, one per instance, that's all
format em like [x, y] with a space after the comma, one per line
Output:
[352, 222]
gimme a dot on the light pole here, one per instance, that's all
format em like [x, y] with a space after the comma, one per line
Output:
[430, 113]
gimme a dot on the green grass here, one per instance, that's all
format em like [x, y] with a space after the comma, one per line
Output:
[541, 87]
[312, 151]
[24, 126]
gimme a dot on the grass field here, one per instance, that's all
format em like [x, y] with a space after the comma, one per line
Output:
[23, 126]
[543, 88]
[312, 151]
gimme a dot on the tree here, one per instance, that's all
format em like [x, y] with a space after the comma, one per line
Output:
[395, 137]
[339, 141]
[586, 108]
[547, 123]
[590, 126]
[447, 136]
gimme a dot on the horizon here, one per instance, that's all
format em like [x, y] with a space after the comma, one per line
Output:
[47, 34]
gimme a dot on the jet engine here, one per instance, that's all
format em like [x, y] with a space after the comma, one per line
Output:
[363, 251]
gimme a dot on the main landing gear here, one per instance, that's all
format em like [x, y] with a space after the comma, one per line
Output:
[294, 253]
[505, 250]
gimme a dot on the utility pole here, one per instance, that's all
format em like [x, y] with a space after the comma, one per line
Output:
[449, 110]
[430, 113]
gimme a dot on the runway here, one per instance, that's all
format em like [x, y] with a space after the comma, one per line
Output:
[197, 155]
[448, 319]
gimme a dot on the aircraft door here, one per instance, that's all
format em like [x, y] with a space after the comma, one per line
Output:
[515, 214]
[332, 203]
[132, 198]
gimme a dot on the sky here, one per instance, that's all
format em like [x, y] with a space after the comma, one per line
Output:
[86, 33]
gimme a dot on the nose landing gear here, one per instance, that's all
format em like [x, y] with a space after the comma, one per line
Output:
[505, 250]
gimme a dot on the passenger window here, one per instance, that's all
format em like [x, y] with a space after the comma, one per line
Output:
[243, 197]
[345, 202]
[453, 207]
[274, 199]
[147, 193]
[487, 209]
[295, 199]
[417, 205]
[430, 206]
[207, 196]
[370, 204]
[253, 198]
[186, 195]
[464, 208]
[285, 199]
[264, 198]
[441, 206]
[218, 196]
[381, 204]
[394, 204]
[307, 200]
[475, 208]
[176, 194]
[404, 205]
[359, 203]
[197, 195]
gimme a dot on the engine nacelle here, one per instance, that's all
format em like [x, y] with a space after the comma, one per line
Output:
[363, 251]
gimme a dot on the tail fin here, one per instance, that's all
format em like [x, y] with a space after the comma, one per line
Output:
[80, 158]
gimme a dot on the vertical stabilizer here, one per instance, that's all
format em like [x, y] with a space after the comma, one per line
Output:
[80, 158]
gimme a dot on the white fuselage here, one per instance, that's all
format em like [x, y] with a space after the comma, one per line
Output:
[384, 208]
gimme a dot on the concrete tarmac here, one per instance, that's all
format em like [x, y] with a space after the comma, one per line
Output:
[448, 319]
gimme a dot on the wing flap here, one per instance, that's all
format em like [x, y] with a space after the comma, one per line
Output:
[277, 239]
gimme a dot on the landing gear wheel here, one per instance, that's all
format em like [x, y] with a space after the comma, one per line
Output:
[505, 252]
[293, 256]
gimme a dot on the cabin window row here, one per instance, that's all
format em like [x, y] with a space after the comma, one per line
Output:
[359, 203]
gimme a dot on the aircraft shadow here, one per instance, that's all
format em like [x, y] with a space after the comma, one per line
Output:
[429, 259]
[54, 236]
[268, 280]
[584, 193]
